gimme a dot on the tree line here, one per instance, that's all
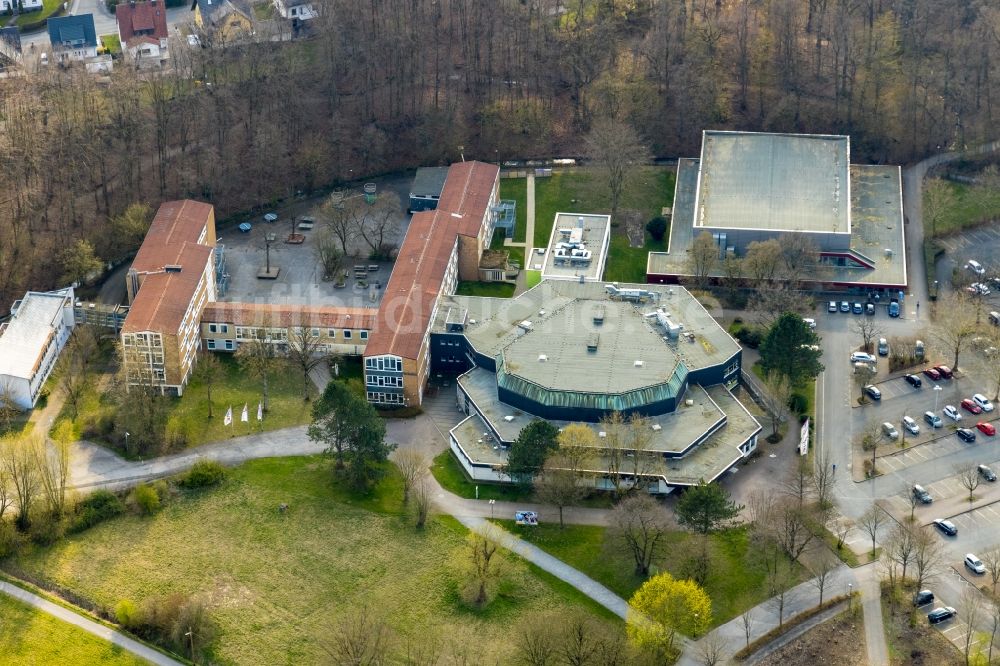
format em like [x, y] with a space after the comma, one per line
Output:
[384, 87]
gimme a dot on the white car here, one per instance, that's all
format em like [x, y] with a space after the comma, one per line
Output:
[193, 40]
[951, 413]
[890, 431]
[983, 402]
[911, 425]
[974, 564]
[862, 357]
[811, 323]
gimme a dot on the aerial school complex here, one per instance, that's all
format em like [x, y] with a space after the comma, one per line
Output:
[572, 349]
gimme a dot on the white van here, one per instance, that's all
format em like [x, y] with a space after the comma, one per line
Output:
[975, 267]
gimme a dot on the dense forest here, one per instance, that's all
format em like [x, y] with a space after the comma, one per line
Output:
[382, 85]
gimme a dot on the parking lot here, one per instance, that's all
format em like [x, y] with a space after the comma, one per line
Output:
[980, 244]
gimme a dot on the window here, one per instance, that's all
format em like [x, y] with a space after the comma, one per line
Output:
[314, 332]
[364, 335]
[224, 328]
[212, 328]
[347, 334]
[210, 344]
[229, 345]
[332, 332]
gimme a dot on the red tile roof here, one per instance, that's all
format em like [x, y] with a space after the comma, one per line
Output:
[175, 223]
[283, 316]
[141, 17]
[415, 283]
[164, 297]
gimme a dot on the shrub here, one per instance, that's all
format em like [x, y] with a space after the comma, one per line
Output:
[128, 614]
[97, 507]
[750, 337]
[657, 227]
[46, 529]
[146, 498]
[10, 539]
[204, 473]
[798, 403]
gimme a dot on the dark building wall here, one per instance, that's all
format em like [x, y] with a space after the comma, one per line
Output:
[564, 413]
[449, 354]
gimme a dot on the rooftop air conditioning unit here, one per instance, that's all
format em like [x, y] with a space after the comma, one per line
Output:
[602, 434]
[657, 427]
[637, 364]
[508, 418]
[542, 358]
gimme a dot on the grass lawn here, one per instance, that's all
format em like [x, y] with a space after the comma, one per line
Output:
[29, 636]
[112, 43]
[531, 278]
[968, 207]
[733, 584]
[189, 413]
[451, 476]
[517, 189]
[628, 264]
[279, 584]
[263, 11]
[491, 289]
[49, 7]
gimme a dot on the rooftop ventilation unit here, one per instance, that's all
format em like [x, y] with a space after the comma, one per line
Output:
[508, 418]
[542, 358]
[599, 315]
[657, 427]
[602, 434]
[525, 325]
[172, 268]
[592, 341]
[637, 364]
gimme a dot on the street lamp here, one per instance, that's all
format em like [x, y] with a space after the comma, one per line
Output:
[126, 440]
[937, 392]
[492, 504]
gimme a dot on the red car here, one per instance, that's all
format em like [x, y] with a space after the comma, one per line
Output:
[932, 373]
[986, 428]
[944, 370]
[971, 407]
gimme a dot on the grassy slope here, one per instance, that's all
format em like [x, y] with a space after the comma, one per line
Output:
[491, 289]
[647, 190]
[279, 583]
[971, 206]
[732, 584]
[29, 636]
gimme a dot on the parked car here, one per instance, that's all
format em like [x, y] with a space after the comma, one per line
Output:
[944, 370]
[883, 347]
[832, 307]
[923, 597]
[975, 267]
[933, 419]
[932, 373]
[913, 381]
[858, 308]
[873, 392]
[894, 308]
[890, 430]
[986, 473]
[922, 495]
[845, 306]
[978, 289]
[939, 615]
[862, 357]
[968, 405]
[983, 402]
[974, 564]
[811, 323]
[951, 413]
[946, 526]
[911, 425]
[966, 434]
[986, 428]
[869, 308]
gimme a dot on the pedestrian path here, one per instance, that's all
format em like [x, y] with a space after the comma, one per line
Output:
[529, 224]
[91, 627]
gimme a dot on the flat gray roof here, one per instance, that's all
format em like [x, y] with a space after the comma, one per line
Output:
[595, 237]
[777, 182]
[428, 182]
[561, 316]
[675, 432]
[877, 225]
[26, 336]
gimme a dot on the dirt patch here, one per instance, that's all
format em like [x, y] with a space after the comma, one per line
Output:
[837, 642]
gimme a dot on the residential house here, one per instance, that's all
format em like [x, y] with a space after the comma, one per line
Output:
[142, 29]
[10, 44]
[73, 37]
[22, 6]
[30, 343]
[223, 20]
[303, 10]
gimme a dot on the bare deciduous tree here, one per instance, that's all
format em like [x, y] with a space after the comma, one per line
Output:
[307, 352]
[928, 557]
[968, 476]
[484, 564]
[20, 463]
[969, 608]
[991, 560]
[257, 358]
[362, 639]
[956, 329]
[412, 466]
[640, 525]
[702, 258]
[617, 148]
[421, 501]
[871, 521]
[746, 621]
[868, 330]
[821, 569]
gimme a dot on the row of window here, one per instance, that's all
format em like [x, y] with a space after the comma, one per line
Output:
[386, 398]
[228, 345]
[381, 380]
[260, 333]
[392, 363]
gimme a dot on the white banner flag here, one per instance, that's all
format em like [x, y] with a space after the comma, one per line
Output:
[260, 411]
[229, 417]
[245, 415]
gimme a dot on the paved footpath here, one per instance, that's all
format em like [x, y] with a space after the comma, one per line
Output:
[91, 627]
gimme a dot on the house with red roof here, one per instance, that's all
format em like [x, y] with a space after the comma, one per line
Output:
[142, 29]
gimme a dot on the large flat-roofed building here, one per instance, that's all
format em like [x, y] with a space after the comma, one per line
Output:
[752, 187]
[441, 247]
[171, 281]
[30, 343]
[578, 352]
